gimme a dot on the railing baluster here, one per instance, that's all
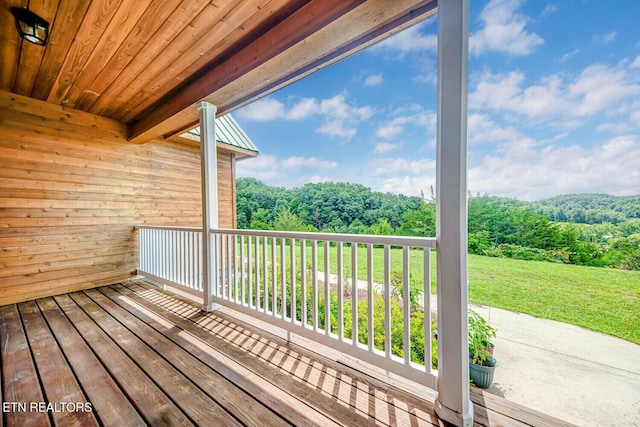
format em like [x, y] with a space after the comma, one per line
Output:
[292, 287]
[314, 284]
[406, 308]
[283, 275]
[387, 301]
[340, 291]
[256, 302]
[265, 272]
[274, 266]
[192, 258]
[242, 259]
[354, 293]
[303, 282]
[370, 312]
[182, 258]
[426, 296]
[232, 268]
[199, 261]
[224, 245]
[327, 290]
[240, 268]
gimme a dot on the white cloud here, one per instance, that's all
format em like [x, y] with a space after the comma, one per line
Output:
[605, 38]
[505, 92]
[503, 30]
[402, 176]
[599, 88]
[617, 128]
[532, 172]
[395, 166]
[407, 185]
[635, 118]
[635, 63]
[481, 130]
[374, 80]
[307, 162]
[411, 40]
[290, 172]
[396, 126]
[263, 110]
[264, 167]
[568, 55]
[318, 179]
[549, 9]
[385, 147]
[303, 109]
[338, 117]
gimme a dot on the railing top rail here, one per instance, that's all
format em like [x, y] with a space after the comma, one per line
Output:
[165, 227]
[417, 242]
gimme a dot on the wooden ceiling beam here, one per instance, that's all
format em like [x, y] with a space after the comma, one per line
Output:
[213, 34]
[62, 116]
[291, 50]
[308, 18]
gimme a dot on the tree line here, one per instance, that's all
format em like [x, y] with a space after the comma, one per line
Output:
[497, 226]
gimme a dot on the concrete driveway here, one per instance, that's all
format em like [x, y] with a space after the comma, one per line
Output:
[584, 377]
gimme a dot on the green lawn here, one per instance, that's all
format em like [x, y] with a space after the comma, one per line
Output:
[602, 299]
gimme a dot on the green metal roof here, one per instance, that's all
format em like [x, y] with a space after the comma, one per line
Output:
[229, 132]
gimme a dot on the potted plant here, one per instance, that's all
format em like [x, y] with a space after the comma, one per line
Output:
[481, 362]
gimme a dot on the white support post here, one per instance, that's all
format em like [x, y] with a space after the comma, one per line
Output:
[452, 403]
[209, 170]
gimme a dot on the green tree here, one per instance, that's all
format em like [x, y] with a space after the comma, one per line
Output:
[288, 221]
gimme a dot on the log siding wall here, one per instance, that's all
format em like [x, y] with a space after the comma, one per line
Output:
[72, 189]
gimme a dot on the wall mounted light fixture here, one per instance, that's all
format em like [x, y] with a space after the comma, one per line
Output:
[30, 26]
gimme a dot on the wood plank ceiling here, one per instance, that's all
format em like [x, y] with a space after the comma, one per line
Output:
[147, 63]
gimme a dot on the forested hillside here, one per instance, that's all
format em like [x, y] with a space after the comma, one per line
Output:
[497, 226]
[590, 208]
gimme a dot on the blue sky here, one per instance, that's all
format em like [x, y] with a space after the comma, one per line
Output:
[554, 107]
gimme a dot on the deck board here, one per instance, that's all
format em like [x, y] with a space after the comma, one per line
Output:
[20, 378]
[58, 381]
[141, 356]
[108, 402]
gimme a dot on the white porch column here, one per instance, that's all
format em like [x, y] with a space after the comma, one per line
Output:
[209, 170]
[452, 403]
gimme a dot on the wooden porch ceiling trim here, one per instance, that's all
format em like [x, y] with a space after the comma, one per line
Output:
[318, 34]
[147, 63]
[62, 118]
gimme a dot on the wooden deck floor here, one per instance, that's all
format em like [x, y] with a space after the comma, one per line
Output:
[130, 354]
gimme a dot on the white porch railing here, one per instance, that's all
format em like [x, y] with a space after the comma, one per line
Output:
[172, 255]
[377, 287]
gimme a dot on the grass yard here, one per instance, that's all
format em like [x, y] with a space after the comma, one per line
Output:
[601, 299]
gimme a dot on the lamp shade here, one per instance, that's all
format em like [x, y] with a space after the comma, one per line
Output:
[30, 26]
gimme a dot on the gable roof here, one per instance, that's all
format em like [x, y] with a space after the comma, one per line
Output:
[229, 133]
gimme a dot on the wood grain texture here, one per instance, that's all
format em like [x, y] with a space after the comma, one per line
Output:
[57, 378]
[20, 379]
[246, 76]
[142, 356]
[72, 189]
[147, 62]
[64, 28]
